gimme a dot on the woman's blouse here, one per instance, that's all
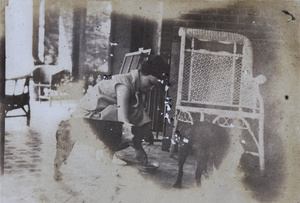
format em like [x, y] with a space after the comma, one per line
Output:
[100, 102]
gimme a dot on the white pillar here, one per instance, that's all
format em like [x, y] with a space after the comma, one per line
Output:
[19, 22]
[64, 51]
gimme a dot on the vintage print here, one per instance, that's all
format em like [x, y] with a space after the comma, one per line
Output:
[149, 101]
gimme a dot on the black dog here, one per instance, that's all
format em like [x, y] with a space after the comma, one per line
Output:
[207, 141]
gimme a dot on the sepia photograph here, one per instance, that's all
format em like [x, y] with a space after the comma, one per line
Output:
[149, 101]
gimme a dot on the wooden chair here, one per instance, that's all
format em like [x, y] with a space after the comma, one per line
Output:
[17, 96]
[133, 60]
[216, 82]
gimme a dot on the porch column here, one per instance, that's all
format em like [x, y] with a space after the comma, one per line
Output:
[2, 83]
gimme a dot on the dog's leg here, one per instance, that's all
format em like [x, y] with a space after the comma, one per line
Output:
[64, 146]
[183, 152]
[202, 159]
[61, 155]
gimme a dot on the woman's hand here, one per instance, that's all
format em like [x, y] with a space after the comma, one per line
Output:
[127, 135]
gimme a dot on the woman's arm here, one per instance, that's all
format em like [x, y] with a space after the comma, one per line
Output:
[123, 99]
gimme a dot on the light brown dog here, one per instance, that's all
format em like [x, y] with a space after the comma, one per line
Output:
[101, 135]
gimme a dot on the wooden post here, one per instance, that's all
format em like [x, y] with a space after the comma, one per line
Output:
[78, 56]
[2, 83]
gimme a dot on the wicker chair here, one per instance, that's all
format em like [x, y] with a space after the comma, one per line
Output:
[216, 82]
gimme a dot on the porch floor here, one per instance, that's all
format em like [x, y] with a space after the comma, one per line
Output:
[28, 174]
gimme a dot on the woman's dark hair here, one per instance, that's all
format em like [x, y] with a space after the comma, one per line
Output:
[155, 66]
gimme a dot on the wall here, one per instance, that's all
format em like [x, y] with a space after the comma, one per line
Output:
[120, 35]
[135, 24]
